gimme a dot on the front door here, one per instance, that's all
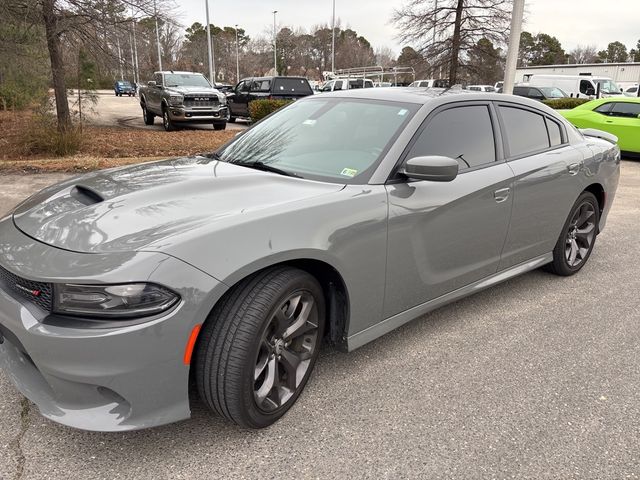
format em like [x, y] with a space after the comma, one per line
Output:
[445, 235]
[239, 101]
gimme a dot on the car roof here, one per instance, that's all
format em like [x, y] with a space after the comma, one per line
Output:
[426, 95]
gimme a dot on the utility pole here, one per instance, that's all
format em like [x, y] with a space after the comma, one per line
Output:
[237, 56]
[135, 51]
[275, 45]
[133, 59]
[212, 68]
[333, 38]
[155, 14]
[514, 46]
[119, 55]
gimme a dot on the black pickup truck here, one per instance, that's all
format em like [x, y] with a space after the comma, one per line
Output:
[249, 89]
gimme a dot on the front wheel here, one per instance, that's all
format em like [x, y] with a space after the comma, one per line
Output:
[219, 125]
[166, 121]
[147, 115]
[578, 236]
[257, 349]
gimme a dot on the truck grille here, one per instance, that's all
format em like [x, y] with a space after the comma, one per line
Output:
[201, 101]
[37, 292]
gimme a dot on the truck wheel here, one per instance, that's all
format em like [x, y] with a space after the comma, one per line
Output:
[148, 116]
[232, 120]
[166, 120]
[219, 125]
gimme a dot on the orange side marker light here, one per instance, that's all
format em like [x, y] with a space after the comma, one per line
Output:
[190, 344]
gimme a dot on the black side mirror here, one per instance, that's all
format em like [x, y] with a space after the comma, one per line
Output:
[151, 83]
[590, 91]
[433, 168]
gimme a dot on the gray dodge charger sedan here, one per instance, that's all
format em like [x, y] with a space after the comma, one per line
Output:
[333, 221]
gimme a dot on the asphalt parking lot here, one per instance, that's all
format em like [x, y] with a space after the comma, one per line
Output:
[112, 111]
[536, 378]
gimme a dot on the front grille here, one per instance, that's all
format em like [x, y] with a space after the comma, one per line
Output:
[200, 101]
[39, 293]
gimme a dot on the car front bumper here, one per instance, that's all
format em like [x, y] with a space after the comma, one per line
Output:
[104, 379]
[181, 114]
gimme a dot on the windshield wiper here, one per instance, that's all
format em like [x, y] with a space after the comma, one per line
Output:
[265, 167]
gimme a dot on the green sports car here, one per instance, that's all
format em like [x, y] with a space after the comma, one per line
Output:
[617, 115]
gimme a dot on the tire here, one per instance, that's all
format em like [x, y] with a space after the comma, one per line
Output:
[166, 121]
[232, 120]
[147, 115]
[577, 238]
[241, 348]
[219, 125]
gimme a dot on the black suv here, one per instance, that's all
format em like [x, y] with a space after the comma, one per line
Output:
[248, 89]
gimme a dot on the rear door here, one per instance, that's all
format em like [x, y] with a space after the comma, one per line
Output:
[545, 188]
[445, 235]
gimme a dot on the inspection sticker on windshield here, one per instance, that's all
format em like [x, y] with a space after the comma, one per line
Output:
[403, 112]
[349, 172]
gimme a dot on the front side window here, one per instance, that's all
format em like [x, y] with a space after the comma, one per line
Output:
[327, 139]
[526, 131]
[586, 87]
[462, 133]
[625, 110]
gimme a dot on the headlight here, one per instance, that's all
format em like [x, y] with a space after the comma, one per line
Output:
[176, 99]
[222, 99]
[113, 301]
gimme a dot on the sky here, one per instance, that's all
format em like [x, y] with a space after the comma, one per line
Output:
[573, 22]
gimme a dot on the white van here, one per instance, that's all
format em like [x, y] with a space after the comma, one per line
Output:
[346, 84]
[579, 86]
[431, 83]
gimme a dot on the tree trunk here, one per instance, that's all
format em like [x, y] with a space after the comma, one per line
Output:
[455, 45]
[57, 66]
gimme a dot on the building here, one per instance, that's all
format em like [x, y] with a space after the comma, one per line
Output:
[624, 74]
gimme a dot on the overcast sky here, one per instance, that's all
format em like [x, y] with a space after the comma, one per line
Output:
[573, 22]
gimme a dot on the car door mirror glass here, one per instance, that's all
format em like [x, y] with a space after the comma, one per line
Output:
[433, 168]
[151, 83]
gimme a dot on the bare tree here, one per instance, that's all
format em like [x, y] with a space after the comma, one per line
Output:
[444, 30]
[583, 54]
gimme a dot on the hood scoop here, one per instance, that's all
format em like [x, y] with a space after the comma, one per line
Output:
[86, 195]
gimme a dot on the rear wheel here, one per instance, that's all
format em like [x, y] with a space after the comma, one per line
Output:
[147, 115]
[258, 348]
[578, 236]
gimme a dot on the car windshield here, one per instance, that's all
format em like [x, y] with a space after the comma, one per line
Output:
[553, 92]
[608, 86]
[327, 139]
[185, 80]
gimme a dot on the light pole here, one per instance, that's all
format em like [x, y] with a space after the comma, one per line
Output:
[135, 51]
[514, 46]
[212, 65]
[275, 45]
[155, 14]
[333, 38]
[237, 56]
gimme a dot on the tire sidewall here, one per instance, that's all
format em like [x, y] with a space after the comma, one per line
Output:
[256, 416]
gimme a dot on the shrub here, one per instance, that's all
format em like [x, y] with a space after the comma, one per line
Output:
[565, 103]
[17, 96]
[258, 109]
[42, 136]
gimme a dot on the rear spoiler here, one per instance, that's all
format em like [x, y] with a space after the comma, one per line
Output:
[592, 132]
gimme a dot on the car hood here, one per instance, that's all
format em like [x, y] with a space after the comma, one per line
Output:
[131, 208]
[192, 90]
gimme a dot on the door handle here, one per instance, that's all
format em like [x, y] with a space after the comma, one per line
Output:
[574, 168]
[501, 195]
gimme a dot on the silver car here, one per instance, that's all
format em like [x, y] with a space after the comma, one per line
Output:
[335, 220]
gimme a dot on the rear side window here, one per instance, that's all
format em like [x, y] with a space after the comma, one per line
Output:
[261, 86]
[604, 109]
[625, 109]
[526, 131]
[555, 133]
[291, 85]
[462, 133]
